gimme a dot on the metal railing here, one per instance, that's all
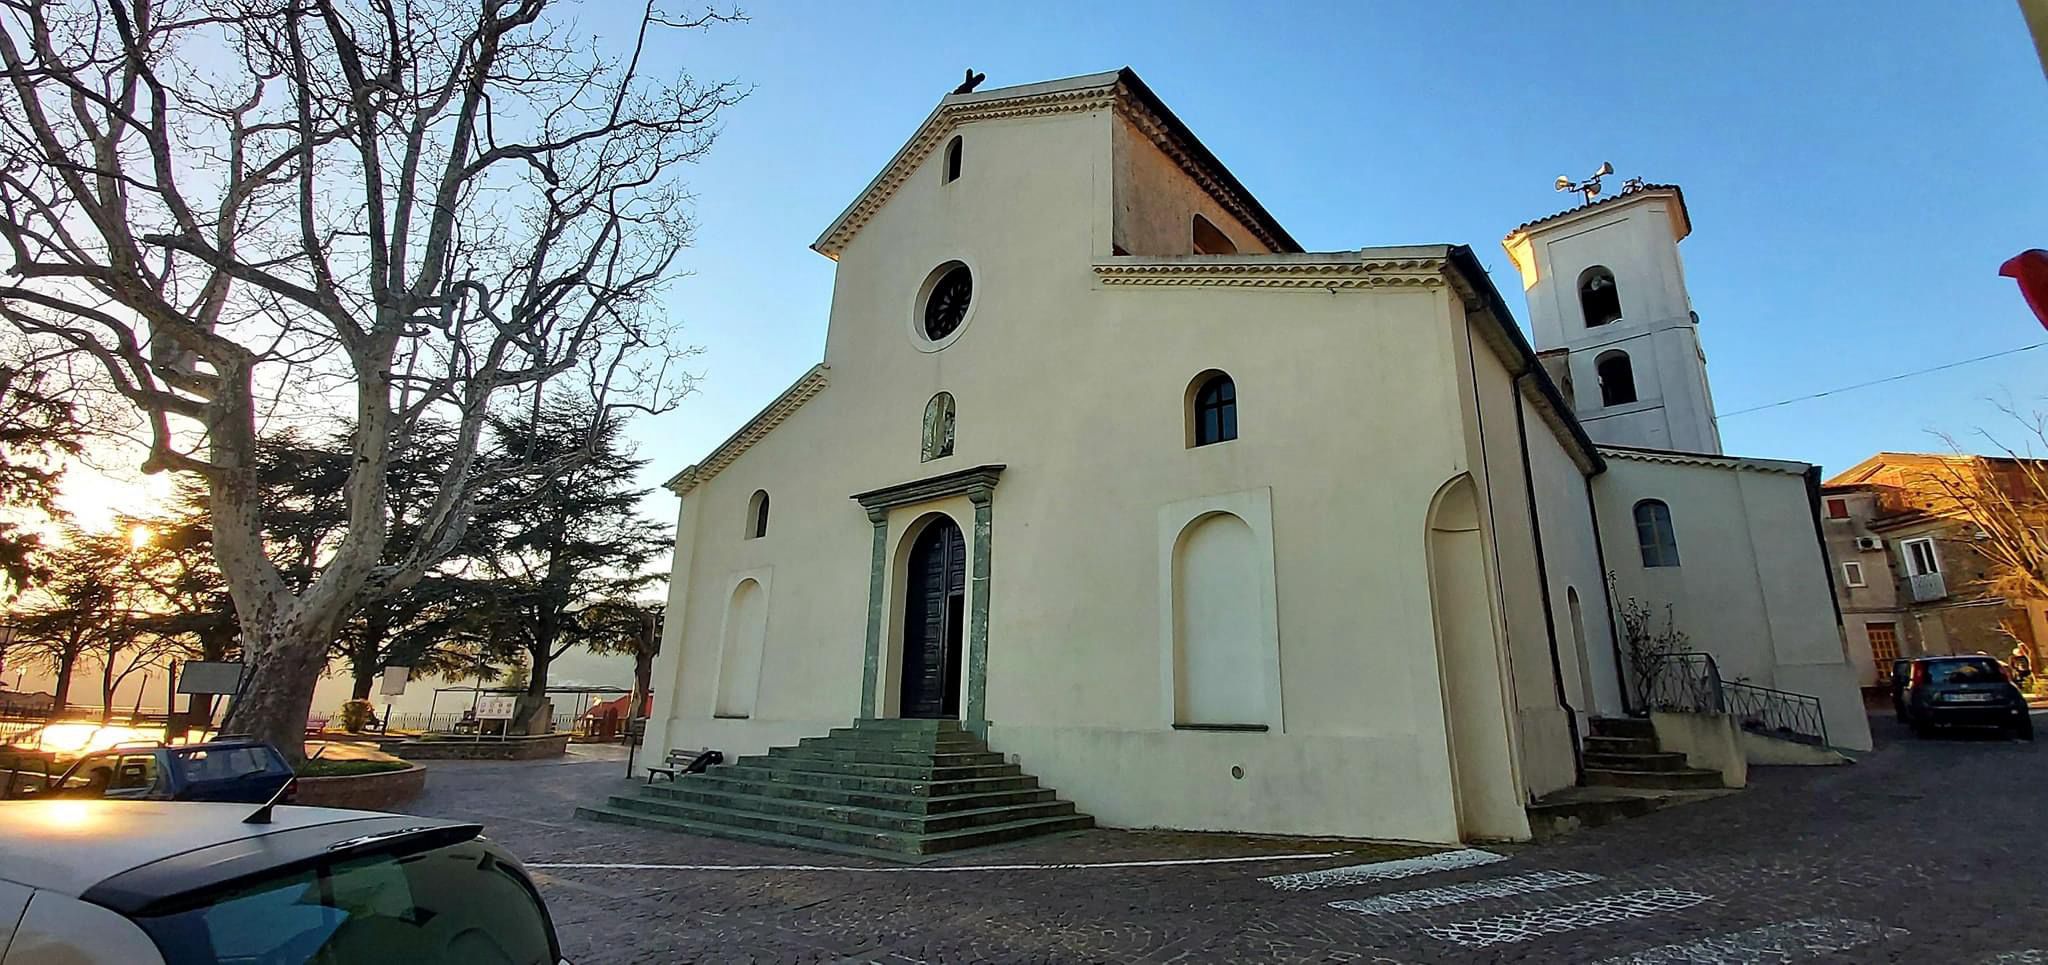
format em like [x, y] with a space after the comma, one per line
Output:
[1688, 683]
[1691, 683]
[1776, 713]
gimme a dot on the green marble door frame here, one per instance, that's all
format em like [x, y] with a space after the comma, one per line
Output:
[979, 486]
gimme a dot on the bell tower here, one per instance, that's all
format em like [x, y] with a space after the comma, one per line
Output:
[1612, 320]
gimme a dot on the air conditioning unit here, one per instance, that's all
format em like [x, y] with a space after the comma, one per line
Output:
[1870, 543]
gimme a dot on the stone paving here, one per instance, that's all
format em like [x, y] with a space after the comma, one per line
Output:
[1924, 851]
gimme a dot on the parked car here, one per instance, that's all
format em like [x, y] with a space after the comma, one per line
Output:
[176, 883]
[248, 771]
[1962, 691]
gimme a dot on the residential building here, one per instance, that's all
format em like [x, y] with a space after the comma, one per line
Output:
[1209, 531]
[1911, 576]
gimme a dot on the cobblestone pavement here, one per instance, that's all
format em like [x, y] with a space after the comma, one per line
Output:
[1922, 852]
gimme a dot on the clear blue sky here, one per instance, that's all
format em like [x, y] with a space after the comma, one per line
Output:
[1855, 171]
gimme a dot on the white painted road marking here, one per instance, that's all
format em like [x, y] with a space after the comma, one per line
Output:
[1166, 863]
[1523, 926]
[1407, 901]
[1784, 941]
[1359, 874]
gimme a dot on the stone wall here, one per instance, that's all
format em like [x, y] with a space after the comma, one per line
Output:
[382, 791]
[491, 749]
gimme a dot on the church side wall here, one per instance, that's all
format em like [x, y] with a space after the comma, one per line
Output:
[1572, 556]
[1543, 734]
[1751, 586]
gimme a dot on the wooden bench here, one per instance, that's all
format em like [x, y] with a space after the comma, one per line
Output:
[680, 762]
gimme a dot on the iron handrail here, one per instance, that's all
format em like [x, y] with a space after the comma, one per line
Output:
[1691, 682]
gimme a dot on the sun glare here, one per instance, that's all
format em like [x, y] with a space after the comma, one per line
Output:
[139, 537]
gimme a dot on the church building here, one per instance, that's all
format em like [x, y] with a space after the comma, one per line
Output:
[1211, 532]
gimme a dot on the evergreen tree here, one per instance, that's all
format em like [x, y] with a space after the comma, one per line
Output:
[37, 431]
[565, 542]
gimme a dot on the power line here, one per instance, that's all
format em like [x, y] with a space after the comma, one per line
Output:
[1888, 378]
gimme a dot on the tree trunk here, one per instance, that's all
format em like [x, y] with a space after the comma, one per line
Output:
[61, 694]
[643, 682]
[363, 681]
[276, 708]
[107, 688]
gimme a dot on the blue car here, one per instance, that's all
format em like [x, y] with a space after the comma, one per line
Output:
[233, 770]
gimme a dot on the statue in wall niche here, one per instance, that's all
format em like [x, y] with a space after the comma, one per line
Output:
[938, 427]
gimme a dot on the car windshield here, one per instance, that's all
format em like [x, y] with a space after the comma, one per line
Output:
[205, 764]
[1976, 670]
[454, 904]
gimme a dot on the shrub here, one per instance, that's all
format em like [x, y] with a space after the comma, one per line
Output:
[357, 715]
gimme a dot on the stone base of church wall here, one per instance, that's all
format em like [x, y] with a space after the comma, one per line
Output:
[1547, 763]
[1390, 787]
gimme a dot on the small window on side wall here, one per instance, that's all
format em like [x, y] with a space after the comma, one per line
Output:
[953, 160]
[1852, 573]
[757, 515]
[1212, 409]
[1838, 508]
[1210, 240]
[1654, 535]
[1599, 299]
[1617, 378]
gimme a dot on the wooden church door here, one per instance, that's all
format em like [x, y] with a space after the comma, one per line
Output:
[934, 611]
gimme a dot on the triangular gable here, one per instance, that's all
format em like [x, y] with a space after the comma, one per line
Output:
[1120, 90]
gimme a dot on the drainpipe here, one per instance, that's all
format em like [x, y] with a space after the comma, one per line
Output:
[1571, 716]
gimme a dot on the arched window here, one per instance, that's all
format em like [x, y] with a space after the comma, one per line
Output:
[1210, 240]
[953, 160]
[1212, 413]
[757, 515]
[938, 428]
[1598, 298]
[1617, 378]
[1654, 534]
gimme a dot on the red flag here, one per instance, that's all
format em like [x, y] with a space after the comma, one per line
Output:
[2030, 269]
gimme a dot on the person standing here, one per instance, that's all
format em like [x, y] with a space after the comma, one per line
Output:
[2021, 665]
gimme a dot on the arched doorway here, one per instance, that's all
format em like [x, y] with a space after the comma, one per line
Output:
[934, 619]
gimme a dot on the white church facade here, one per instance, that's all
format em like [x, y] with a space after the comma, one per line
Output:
[1211, 532]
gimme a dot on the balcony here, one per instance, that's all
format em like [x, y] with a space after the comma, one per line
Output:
[1927, 587]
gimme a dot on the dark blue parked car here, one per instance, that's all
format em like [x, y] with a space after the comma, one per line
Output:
[234, 770]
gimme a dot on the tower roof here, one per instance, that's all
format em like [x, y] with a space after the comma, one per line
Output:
[1681, 228]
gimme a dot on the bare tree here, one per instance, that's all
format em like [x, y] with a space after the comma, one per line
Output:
[389, 209]
[2005, 498]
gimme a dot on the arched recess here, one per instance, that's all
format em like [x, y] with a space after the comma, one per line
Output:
[744, 641]
[757, 514]
[1210, 240]
[1617, 377]
[1587, 699]
[1599, 298]
[1219, 651]
[1469, 650]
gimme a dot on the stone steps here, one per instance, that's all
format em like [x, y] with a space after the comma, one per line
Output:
[883, 788]
[1621, 745]
[1655, 761]
[906, 757]
[769, 813]
[1688, 779]
[886, 846]
[1631, 727]
[919, 803]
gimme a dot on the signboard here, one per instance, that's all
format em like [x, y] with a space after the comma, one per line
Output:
[394, 681]
[209, 676]
[496, 707]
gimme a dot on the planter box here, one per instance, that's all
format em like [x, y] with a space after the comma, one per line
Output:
[382, 791]
[486, 749]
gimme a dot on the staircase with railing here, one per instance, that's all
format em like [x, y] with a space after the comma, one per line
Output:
[1692, 682]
